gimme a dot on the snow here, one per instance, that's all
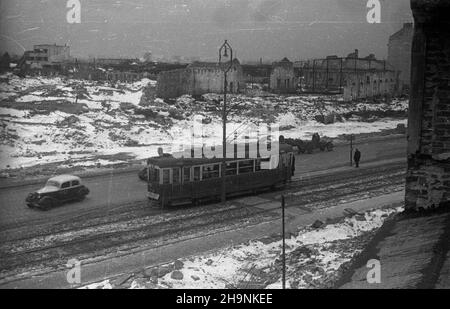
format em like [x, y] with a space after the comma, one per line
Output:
[229, 265]
[326, 248]
[43, 121]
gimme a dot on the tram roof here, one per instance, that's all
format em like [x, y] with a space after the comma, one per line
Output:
[169, 161]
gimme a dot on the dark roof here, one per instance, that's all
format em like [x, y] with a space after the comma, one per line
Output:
[164, 162]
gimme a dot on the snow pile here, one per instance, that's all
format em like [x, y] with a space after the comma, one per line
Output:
[311, 255]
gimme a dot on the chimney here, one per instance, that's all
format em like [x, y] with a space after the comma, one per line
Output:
[356, 53]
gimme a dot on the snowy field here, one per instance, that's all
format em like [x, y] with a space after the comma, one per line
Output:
[83, 123]
[313, 257]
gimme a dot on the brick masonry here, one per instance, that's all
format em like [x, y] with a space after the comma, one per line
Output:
[428, 176]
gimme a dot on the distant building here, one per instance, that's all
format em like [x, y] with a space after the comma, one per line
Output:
[199, 78]
[399, 54]
[127, 76]
[46, 56]
[337, 75]
[370, 84]
[257, 73]
[282, 77]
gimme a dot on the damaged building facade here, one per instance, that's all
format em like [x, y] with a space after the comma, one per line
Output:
[199, 78]
[353, 76]
[399, 55]
[369, 84]
[282, 77]
[428, 175]
[45, 58]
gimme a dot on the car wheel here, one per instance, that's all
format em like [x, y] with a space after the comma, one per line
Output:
[46, 203]
[81, 194]
[80, 198]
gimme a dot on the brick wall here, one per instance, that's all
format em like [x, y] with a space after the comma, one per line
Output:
[428, 175]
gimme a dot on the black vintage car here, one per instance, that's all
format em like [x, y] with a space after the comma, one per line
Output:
[57, 190]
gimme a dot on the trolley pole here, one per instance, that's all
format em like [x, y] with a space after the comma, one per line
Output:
[284, 243]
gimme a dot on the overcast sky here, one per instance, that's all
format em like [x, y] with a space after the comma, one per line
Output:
[271, 29]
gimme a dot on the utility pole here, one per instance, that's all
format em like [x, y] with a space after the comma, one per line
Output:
[224, 48]
[351, 149]
[284, 242]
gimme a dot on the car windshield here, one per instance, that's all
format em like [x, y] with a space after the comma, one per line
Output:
[52, 183]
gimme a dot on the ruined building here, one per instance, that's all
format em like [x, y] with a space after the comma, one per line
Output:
[199, 78]
[282, 77]
[428, 175]
[353, 76]
[45, 57]
[368, 84]
[399, 54]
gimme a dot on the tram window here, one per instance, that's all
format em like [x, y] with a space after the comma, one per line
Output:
[154, 175]
[166, 176]
[246, 166]
[210, 171]
[186, 174]
[258, 165]
[197, 173]
[232, 168]
[216, 170]
[176, 175]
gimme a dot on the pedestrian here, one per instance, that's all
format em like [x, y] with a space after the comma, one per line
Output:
[357, 157]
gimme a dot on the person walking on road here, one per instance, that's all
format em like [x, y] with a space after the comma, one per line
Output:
[357, 157]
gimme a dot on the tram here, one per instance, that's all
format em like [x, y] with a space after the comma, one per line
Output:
[173, 181]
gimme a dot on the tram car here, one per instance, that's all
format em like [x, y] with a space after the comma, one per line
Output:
[173, 181]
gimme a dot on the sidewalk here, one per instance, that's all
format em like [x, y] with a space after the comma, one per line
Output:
[343, 168]
[413, 250]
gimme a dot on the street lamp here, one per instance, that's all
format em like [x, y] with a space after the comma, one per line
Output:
[223, 52]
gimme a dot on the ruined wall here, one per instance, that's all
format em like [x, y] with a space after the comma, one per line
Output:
[199, 79]
[211, 80]
[399, 54]
[332, 74]
[428, 175]
[283, 79]
[369, 84]
[172, 84]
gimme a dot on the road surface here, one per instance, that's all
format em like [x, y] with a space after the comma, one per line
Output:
[116, 190]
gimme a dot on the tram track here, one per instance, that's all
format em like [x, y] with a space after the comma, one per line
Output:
[157, 225]
[142, 210]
